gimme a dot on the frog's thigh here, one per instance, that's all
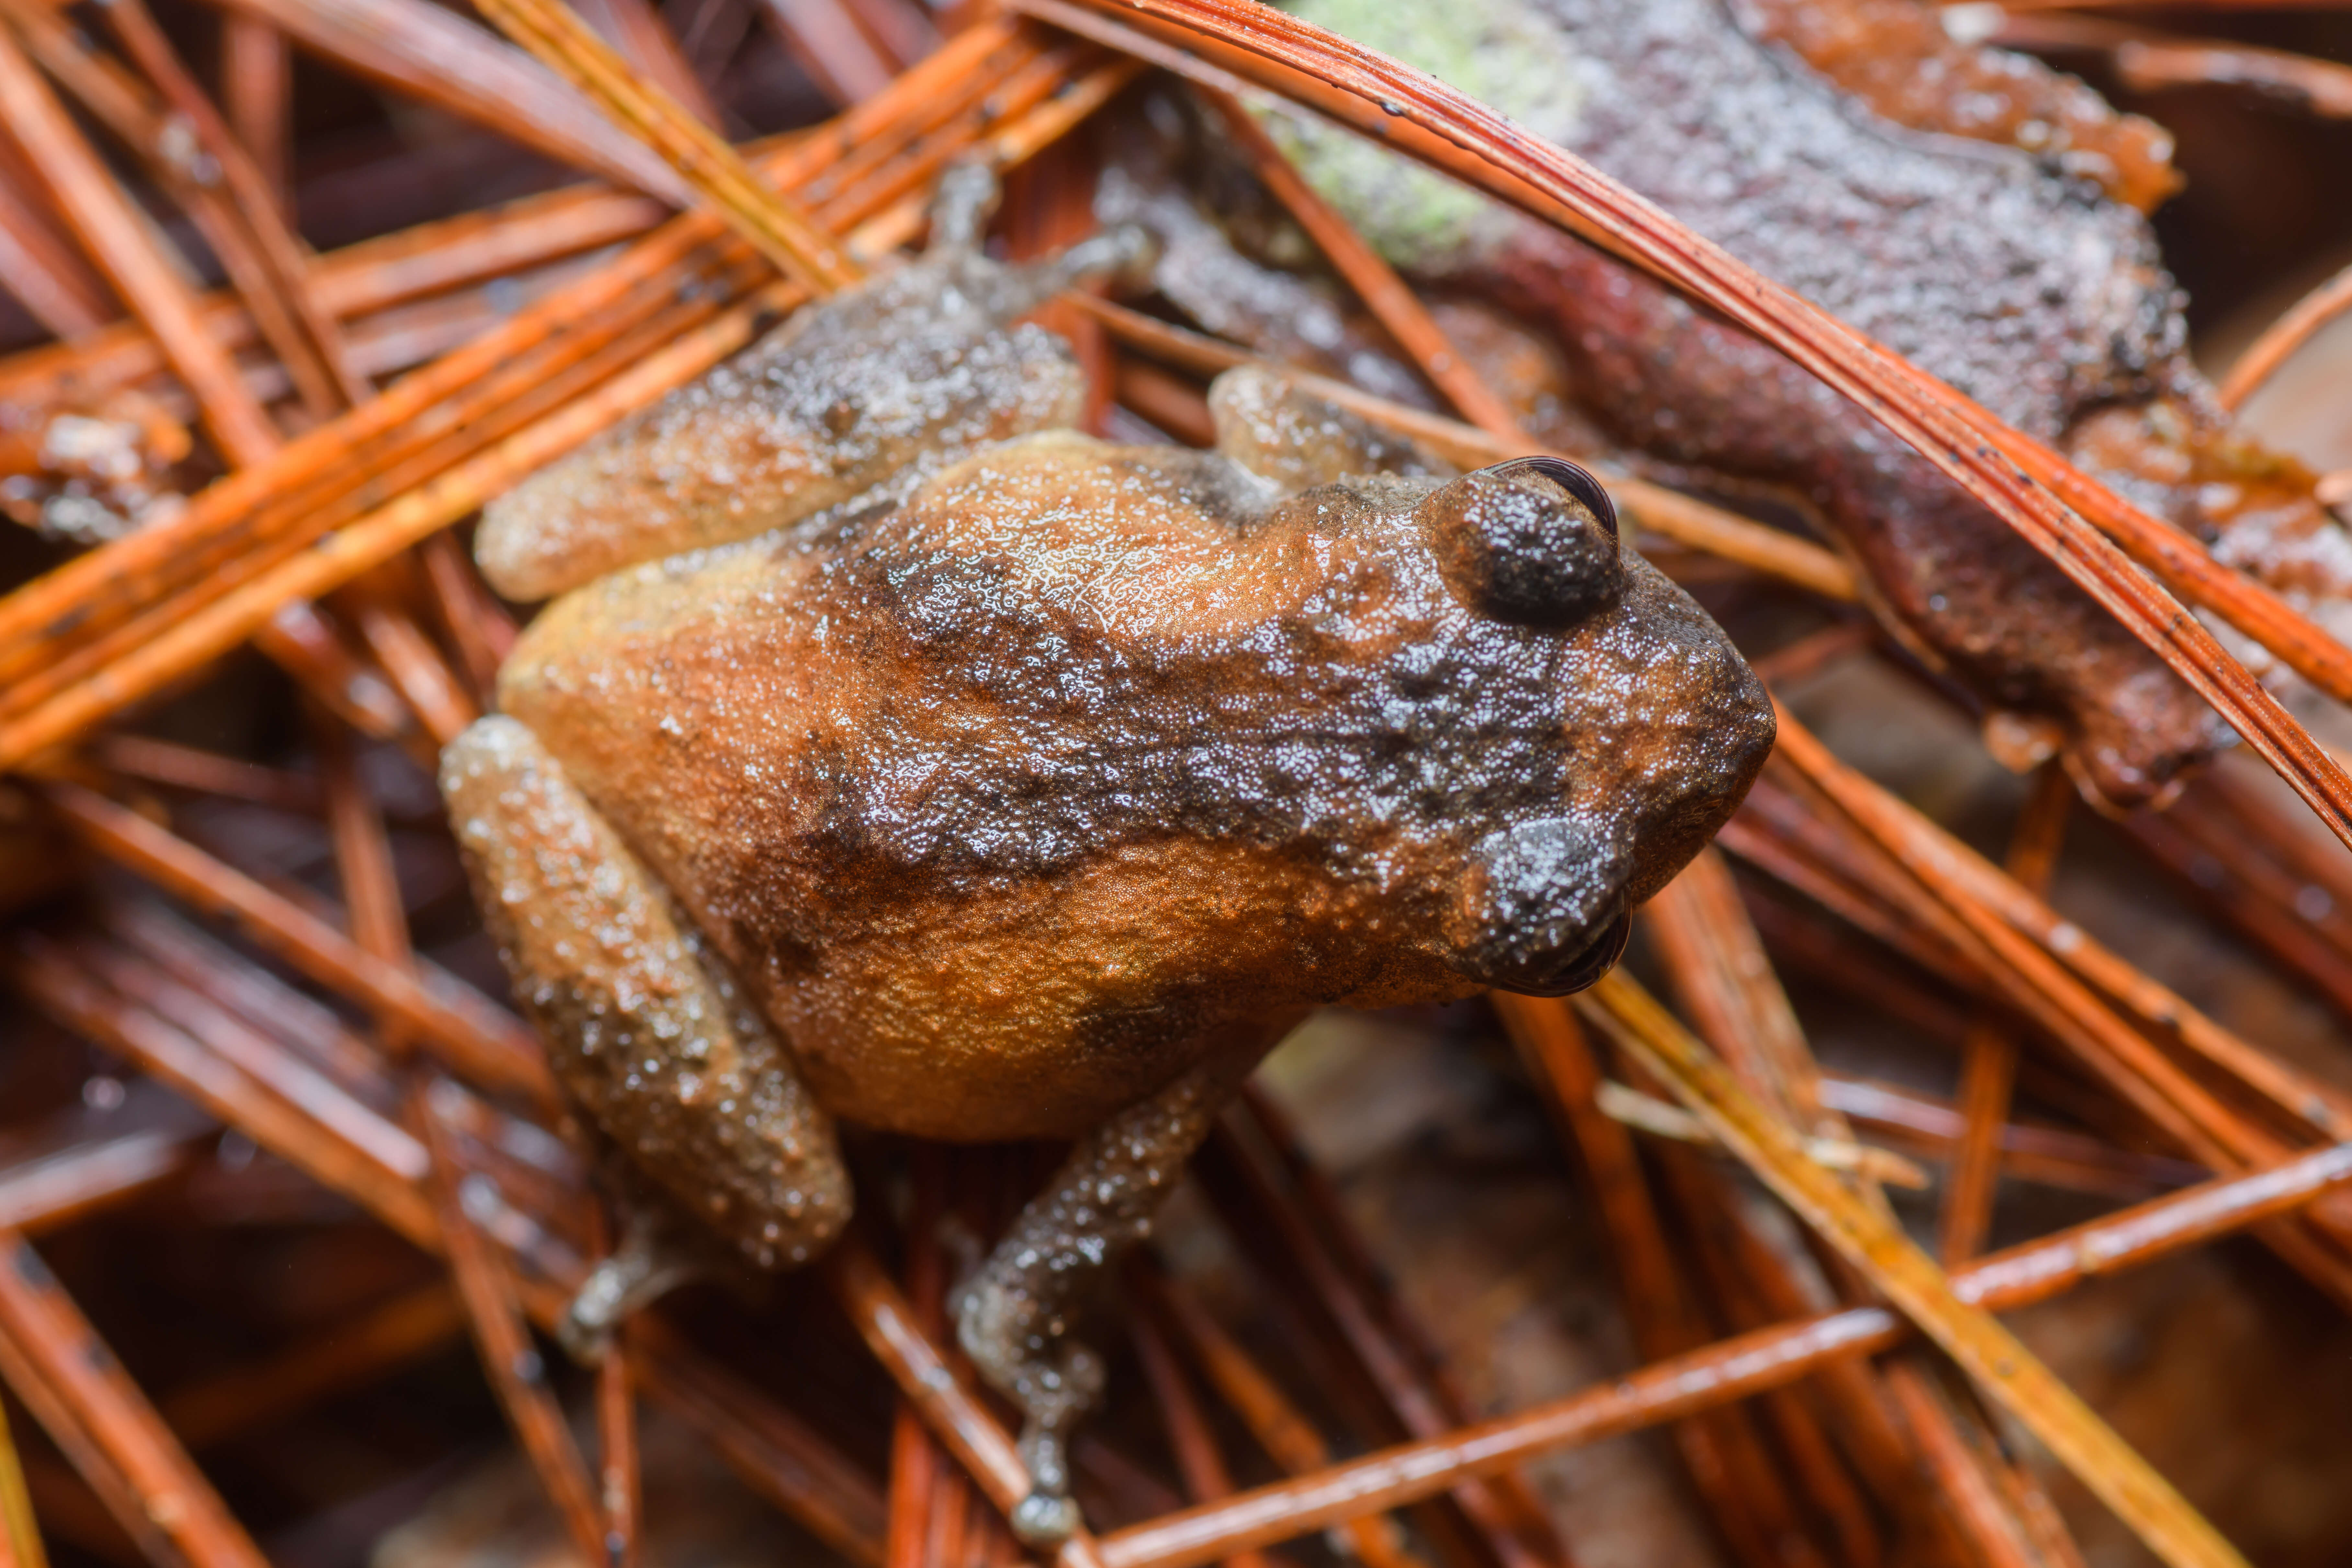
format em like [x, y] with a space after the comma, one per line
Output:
[644, 1027]
[1014, 1315]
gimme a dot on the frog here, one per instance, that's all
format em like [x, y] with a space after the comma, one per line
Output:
[892, 754]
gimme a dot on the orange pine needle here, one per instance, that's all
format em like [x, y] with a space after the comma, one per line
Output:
[2000, 1364]
[785, 235]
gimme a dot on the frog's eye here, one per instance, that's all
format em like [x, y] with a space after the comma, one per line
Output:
[1532, 542]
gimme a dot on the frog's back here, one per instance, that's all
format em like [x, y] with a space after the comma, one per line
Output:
[685, 698]
[1007, 802]
[773, 727]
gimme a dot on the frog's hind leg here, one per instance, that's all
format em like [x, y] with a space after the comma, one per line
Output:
[647, 1032]
[1013, 1316]
[921, 363]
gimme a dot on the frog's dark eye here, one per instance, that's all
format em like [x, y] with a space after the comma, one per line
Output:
[1532, 542]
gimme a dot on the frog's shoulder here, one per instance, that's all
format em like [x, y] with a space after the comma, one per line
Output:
[1069, 475]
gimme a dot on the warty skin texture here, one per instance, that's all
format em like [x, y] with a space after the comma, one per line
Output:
[1035, 791]
[1008, 802]
[917, 367]
[2009, 272]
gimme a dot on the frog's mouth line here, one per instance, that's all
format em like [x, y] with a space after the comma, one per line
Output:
[1596, 960]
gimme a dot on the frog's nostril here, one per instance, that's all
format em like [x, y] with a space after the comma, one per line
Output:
[1532, 542]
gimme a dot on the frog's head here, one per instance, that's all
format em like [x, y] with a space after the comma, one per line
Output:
[1533, 544]
[1598, 727]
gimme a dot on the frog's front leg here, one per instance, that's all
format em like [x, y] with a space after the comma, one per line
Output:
[657, 1251]
[646, 1031]
[1015, 1315]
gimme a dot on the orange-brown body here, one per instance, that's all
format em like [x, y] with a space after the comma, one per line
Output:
[1007, 803]
[895, 756]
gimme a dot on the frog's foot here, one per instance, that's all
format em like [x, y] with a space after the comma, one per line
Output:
[962, 205]
[1055, 1380]
[1013, 1316]
[966, 198]
[1009, 290]
[652, 1260]
[1126, 251]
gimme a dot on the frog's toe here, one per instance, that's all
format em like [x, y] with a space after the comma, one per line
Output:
[1047, 1516]
[1044, 1521]
[962, 206]
[1126, 253]
[1054, 1379]
[640, 1272]
[585, 1329]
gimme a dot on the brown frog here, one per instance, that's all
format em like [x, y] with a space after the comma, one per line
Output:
[897, 755]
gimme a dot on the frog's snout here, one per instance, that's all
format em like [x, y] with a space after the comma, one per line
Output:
[1532, 542]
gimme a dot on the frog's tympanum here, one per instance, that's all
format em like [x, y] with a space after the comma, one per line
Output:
[896, 756]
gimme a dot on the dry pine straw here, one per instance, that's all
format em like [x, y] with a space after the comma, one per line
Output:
[219, 578]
